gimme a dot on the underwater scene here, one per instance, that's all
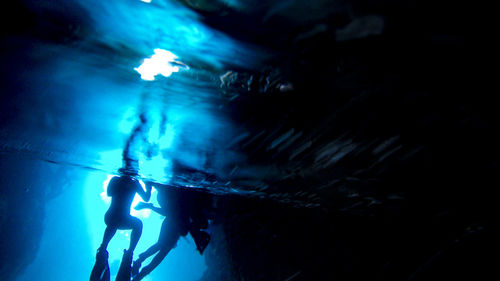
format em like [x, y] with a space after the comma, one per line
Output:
[245, 140]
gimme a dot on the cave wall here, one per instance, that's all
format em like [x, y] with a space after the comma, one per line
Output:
[26, 186]
[265, 241]
[380, 162]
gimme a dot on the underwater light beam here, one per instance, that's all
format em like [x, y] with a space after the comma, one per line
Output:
[163, 63]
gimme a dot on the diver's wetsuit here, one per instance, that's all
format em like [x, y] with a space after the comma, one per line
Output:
[174, 226]
[122, 191]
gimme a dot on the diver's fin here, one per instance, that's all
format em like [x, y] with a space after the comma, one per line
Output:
[136, 266]
[201, 239]
[100, 272]
[125, 267]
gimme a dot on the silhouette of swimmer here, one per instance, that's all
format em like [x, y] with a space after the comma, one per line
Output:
[122, 190]
[178, 222]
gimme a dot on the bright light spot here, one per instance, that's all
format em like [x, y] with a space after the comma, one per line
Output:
[146, 1]
[162, 62]
[164, 140]
[144, 213]
[104, 193]
[154, 133]
[167, 139]
[155, 168]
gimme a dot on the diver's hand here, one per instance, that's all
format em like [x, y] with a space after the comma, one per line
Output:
[143, 205]
[148, 184]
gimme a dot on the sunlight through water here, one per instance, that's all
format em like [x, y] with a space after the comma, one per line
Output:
[163, 63]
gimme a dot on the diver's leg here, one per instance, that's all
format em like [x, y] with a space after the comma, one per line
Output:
[125, 270]
[164, 231]
[149, 252]
[112, 223]
[143, 256]
[152, 265]
[136, 233]
[168, 243]
[108, 234]
[156, 247]
[100, 271]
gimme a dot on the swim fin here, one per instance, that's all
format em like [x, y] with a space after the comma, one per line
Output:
[136, 266]
[201, 239]
[125, 266]
[100, 272]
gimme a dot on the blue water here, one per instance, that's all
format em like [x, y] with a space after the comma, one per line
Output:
[90, 93]
[168, 25]
[74, 226]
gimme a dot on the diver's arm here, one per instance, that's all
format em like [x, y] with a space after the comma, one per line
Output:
[145, 195]
[157, 210]
[142, 205]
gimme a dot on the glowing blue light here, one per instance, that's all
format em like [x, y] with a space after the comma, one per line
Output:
[167, 139]
[110, 160]
[104, 193]
[155, 168]
[162, 62]
[128, 121]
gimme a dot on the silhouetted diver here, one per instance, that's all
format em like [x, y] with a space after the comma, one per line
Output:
[122, 190]
[178, 222]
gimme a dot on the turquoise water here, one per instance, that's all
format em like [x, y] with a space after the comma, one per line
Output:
[92, 91]
[74, 225]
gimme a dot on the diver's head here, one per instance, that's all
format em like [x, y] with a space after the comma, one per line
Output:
[128, 171]
[130, 167]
